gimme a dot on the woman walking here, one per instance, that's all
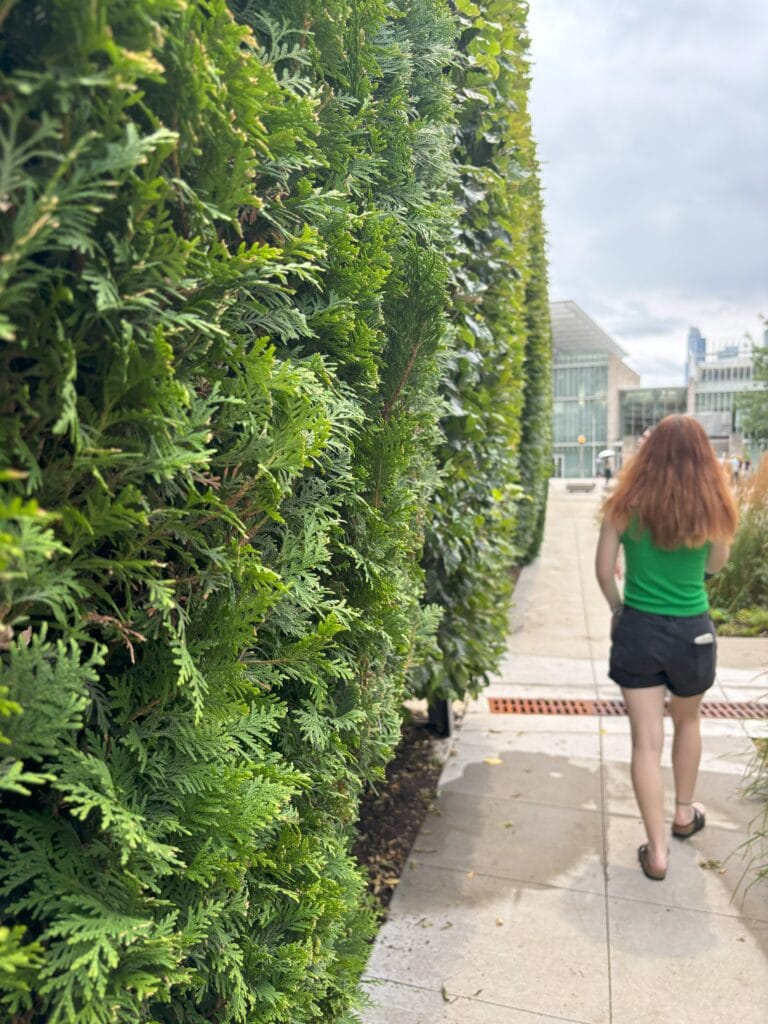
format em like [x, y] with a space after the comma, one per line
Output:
[674, 515]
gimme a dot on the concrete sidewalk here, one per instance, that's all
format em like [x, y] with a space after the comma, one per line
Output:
[522, 901]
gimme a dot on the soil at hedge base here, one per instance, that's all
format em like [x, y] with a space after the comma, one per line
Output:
[391, 815]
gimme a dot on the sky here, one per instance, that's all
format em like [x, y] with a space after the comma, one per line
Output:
[651, 118]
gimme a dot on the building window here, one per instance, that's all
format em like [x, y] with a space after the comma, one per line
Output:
[644, 407]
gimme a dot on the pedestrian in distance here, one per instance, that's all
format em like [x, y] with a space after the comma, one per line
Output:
[673, 513]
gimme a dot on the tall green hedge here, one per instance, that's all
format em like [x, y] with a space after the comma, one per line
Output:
[536, 433]
[487, 514]
[236, 307]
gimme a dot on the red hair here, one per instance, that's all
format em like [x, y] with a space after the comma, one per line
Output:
[675, 487]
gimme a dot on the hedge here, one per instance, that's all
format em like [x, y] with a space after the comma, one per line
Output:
[239, 247]
[488, 512]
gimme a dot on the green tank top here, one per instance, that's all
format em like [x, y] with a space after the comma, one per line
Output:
[664, 582]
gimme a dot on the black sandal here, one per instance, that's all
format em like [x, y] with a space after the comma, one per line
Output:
[642, 856]
[696, 824]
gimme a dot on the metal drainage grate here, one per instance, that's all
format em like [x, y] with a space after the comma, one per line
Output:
[563, 706]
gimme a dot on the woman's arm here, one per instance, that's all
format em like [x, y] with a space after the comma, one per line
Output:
[718, 555]
[608, 545]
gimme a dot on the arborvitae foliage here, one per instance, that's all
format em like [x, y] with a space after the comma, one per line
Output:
[488, 511]
[385, 129]
[182, 744]
[228, 352]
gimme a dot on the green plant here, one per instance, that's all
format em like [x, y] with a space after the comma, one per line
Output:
[755, 848]
[753, 405]
[183, 750]
[228, 342]
[739, 592]
[487, 513]
[536, 434]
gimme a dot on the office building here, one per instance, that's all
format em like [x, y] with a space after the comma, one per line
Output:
[714, 386]
[588, 372]
[641, 408]
[697, 346]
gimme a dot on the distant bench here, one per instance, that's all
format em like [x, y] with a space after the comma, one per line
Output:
[580, 485]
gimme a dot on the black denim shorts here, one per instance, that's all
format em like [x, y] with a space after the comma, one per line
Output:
[663, 650]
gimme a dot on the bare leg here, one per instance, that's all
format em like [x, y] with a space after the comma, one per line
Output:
[686, 754]
[646, 718]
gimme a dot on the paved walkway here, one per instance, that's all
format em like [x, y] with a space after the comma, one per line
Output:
[522, 902]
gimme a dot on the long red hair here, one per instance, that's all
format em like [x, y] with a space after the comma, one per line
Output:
[675, 487]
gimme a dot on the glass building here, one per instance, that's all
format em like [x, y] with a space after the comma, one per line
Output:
[587, 373]
[641, 408]
[697, 345]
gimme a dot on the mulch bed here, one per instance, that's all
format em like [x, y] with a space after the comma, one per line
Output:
[391, 813]
[390, 816]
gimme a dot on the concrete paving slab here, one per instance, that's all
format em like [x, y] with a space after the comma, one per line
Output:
[750, 676]
[745, 652]
[730, 754]
[726, 753]
[709, 726]
[554, 688]
[484, 723]
[544, 671]
[576, 745]
[704, 872]
[473, 1011]
[719, 734]
[577, 645]
[493, 939]
[755, 730]
[693, 968]
[523, 900]
[530, 777]
[508, 838]
[395, 1003]
[401, 1004]
[723, 795]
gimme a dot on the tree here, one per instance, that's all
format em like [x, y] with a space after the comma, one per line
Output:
[753, 405]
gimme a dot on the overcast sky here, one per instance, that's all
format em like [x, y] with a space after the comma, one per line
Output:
[652, 124]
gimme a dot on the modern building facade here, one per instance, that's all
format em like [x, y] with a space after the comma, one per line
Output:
[600, 405]
[642, 408]
[588, 374]
[715, 383]
[716, 376]
[697, 346]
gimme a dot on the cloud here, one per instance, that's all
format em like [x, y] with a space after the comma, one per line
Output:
[654, 144]
[653, 328]
[636, 321]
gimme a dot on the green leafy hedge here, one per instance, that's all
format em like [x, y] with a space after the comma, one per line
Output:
[236, 318]
[487, 514]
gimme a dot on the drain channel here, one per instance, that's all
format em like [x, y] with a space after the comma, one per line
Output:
[563, 706]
